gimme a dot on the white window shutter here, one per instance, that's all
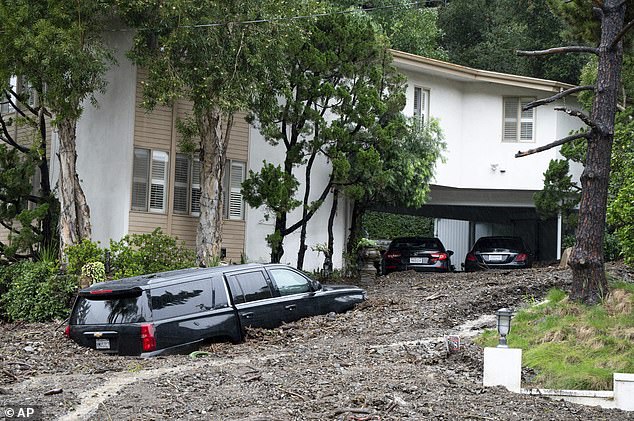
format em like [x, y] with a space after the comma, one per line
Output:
[195, 193]
[158, 186]
[181, 183]
[140, 175]
[511, 109]
[527, 122]
[236, 204]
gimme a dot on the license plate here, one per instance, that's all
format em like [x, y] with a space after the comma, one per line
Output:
[102, 343]
[496, 258]
[418, 260]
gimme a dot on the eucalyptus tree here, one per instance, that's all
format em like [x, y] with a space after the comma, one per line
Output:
[215, 55]
[56, 48]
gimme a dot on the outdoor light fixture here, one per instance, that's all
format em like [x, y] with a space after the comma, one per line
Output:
[504, 325]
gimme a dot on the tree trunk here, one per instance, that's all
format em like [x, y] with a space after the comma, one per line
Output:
[74, 220]
[302, 237]
[589, 283]
[214, 137]
[45, 183]
[331, 222]
[355, 227]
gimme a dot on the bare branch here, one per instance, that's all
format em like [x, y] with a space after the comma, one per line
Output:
[582, 116]
[559, 50]
[6, 137]
[557, 96]
[621, 34]
[559, 142]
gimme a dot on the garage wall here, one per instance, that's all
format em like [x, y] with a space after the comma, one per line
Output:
[454, 235]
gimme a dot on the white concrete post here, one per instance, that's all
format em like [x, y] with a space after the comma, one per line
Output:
[503, 367]
[624, 391]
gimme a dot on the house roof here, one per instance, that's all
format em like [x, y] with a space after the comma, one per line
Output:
[416, 63]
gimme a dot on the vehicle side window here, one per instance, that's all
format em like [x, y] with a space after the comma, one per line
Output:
[254, 286]
[181, 299]
[219, 293]
[236, 291]
[289, 282]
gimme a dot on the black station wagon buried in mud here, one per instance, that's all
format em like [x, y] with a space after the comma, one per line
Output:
[174, 312]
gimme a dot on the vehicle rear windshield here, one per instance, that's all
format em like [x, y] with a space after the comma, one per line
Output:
[115, 311]
[511, 244]
[427, 244]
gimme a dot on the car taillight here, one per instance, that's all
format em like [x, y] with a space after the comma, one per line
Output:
[67, 331]
[101, 291]
[471, 257]
[439, 256]
[392, 255]
[521, 257]
[148, 340]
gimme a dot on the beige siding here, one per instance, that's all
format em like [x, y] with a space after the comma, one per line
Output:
[156, 130]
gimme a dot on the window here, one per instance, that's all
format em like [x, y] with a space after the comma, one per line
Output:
[421, 105]
[518, 125]
[232, 201]
[289, 282]
[5, 105]
[250, 286]
[187, 185]
[149, 180]
[181, 300]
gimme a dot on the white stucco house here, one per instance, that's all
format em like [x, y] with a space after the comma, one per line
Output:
[135, 179]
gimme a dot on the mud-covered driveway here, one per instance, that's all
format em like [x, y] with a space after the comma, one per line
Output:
[386, 360]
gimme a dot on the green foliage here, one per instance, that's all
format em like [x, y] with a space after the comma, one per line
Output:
[573, 346]
[36, 292]
[486, 33]
[272, 188]
[138, 254]
[134, 254]
[94, 272]
[81, 254]
[560, 193]
[380, 225]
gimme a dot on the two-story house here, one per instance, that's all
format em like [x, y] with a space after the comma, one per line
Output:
[135, 178]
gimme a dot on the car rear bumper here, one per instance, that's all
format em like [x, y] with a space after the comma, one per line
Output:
[473, 266]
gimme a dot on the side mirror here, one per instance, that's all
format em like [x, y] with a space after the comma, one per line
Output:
[450, 253]
[316, 285]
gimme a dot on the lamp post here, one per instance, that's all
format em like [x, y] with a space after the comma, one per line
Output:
[504, 325]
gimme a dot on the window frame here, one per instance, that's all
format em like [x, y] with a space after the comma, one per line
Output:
[150, 181]
[229, 192]
[421, 107]
[519, 119]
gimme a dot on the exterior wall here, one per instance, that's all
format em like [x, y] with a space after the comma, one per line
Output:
[104, 147]
[471, 118]
[157, 130]
[258, 227]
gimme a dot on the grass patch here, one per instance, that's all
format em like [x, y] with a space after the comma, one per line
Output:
[573, 346]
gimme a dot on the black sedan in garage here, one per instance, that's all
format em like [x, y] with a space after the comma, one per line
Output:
[498, 253]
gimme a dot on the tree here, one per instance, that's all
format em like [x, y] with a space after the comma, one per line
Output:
[485, 33]
[55, 46]
[333, 91]
[589, 280]
[28, 213]
[206, 52]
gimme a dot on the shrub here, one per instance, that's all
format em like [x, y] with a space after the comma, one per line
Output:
[138, 254]
[93, 272]
[388, 226]
[85, 252]
[36, 292]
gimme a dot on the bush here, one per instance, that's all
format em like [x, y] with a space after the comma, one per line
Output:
[93, 272]
[380, 225]
[36, 292]
[138, 254]
[85, 252]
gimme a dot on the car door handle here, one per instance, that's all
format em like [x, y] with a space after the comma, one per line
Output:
[247, 315]
[290, 307]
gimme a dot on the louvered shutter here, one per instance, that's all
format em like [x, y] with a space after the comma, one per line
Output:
[140, 175]
[236, 204]
[195, 187]
[511, 109]
[526, 122]
[181, 183]
[417, 102]
[158, 196]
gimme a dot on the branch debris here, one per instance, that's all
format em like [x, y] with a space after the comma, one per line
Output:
[559, 142]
